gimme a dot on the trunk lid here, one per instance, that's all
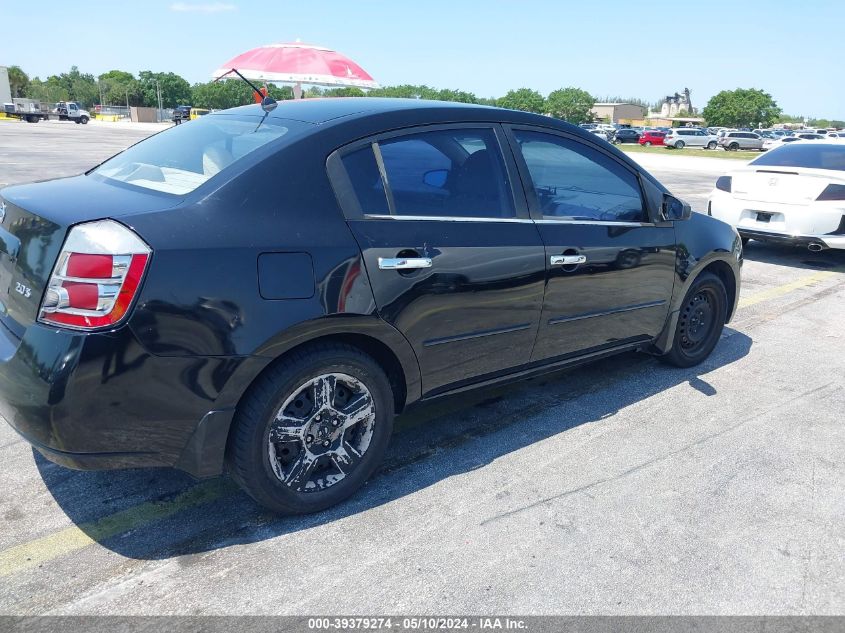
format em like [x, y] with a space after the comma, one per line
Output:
[34, 221]
[784, 185]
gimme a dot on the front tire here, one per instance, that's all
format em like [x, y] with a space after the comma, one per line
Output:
[84, 120]
[311, 430]
[711, 145]
[700, 322]
[647, 143]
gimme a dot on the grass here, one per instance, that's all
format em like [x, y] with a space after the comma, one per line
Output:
[706, 153]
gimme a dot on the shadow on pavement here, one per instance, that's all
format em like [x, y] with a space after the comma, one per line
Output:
[120, 509]
[794, 256]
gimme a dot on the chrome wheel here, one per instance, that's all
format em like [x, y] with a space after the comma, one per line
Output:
[321, 432]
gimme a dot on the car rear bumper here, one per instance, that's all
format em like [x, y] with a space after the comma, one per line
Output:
[100, 401]
[800, 225]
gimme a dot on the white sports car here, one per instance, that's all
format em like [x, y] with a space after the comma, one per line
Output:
[793, 194]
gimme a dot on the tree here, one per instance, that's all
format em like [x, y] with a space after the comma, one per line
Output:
[231, 93]
[49, 91]
[741, 108]
[117, 87]
[174, 89]
[523, 99]
[570, 104]
[18, 81]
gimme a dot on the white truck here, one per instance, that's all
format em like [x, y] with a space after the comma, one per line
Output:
[31, 111]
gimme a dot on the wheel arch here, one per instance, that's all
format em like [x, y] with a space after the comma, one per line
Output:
[204, 454]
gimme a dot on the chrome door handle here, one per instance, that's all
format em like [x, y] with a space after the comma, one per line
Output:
[567, 260]
[403, 263]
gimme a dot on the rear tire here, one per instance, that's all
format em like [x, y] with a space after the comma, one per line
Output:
[679, 145]
[318, 456]
[733, 147]
[700, 322]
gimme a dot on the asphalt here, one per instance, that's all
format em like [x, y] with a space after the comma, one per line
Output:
[623, 487]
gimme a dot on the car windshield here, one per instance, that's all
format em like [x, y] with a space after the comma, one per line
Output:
[810, 155]
[180, 159]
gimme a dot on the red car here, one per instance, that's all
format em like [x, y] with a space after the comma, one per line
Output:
[652, 138]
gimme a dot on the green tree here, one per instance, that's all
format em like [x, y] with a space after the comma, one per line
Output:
[174, 89]
[523, 99]
[741, 108]
[18, 81]
[570, 104]
[49, 91]
[231, 93]
[344, 92]
[117, 87]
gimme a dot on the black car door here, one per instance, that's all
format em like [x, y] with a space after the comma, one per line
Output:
[610, 269]
[454, 261]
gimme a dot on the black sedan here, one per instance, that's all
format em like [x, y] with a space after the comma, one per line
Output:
[263, 290]
[626, 135]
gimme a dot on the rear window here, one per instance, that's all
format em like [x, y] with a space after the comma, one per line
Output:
[180, 159]
[810, 155]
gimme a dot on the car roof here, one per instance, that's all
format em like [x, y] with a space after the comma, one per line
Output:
[322, 110]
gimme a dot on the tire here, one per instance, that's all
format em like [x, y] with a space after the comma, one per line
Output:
[679, 145]
[83, 120]
[711, 145]
[647, 143]
[733, 147]
[704, 306]
[302, 473]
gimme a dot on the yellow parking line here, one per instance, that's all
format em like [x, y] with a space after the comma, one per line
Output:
[34, 553]
[785, 289]
[27, 555]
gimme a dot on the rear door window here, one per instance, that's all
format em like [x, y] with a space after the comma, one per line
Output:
[441, 173]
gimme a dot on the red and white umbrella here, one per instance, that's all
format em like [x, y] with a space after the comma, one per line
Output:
[298, 64]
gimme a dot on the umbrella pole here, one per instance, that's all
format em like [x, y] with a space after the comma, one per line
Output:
[297, 90]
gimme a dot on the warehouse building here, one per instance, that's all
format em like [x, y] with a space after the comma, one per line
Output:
[618, 112]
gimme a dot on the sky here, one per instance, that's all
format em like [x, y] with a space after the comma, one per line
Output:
[792, 50]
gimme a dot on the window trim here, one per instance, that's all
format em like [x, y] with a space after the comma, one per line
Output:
[351, 206]
[531, 196]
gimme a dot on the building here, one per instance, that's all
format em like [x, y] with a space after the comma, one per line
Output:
[5, 88]
[617, 112]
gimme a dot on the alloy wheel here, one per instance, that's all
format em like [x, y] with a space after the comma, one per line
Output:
[321, 432]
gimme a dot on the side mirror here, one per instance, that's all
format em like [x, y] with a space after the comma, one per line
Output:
[675, 209]
[268, 104]
[436, 178]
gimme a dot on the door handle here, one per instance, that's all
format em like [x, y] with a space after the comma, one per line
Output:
[567, 260]
[403, 263]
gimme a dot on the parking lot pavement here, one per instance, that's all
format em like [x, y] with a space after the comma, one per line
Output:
[689, 177]
[623, 487]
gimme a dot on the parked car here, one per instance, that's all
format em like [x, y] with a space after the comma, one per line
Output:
[793, 194]
[650, 137]
[689, 137]
[264, 290]
[602, 134]
[627, 135]
[771, 143]
[181, 113]
[733, 141]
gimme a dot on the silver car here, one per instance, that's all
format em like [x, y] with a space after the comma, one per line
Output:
[689, 137]
[741, 140]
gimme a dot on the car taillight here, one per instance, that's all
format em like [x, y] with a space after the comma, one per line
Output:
[96, 276]
[723, 183]
[832, 192]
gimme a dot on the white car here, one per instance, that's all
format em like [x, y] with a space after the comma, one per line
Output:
[793, 194]
[681, 137]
